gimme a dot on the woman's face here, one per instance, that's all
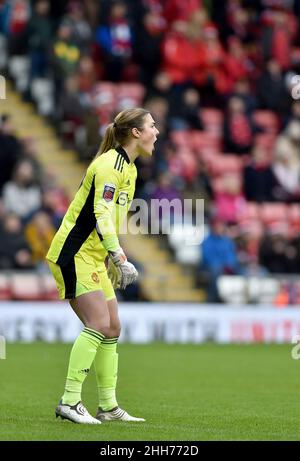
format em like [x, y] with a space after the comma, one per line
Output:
[147, 136]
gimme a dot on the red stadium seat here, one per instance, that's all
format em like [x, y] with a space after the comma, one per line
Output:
[267, 120]
[265, 140]
[5, 289]
[49, 287]
[129, 95]
[294, 214]
[26, 287]
[273, 212]
[212, 119]
[250, 212]
[203, 140]
[221, 164]
[180, 138]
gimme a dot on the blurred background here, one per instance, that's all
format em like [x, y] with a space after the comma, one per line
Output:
[218, 79]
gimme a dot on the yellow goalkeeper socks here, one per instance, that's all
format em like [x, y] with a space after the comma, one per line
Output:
[106, 368]
[81, 358]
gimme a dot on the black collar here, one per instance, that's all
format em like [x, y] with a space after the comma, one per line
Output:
[122, 151]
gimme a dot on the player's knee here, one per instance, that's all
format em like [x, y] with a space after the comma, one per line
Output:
[114, 331]
[102, 328]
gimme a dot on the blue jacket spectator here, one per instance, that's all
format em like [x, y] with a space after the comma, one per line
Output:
[219, 256]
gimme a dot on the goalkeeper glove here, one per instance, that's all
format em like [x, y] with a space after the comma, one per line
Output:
[123, 273]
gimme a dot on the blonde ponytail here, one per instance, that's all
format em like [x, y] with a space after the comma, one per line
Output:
[109, 141]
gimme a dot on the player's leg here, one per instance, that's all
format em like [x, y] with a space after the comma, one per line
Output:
[91, 308]
[106, 361]
[106, 364]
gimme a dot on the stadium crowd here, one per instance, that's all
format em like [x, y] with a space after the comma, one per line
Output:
[220, 79]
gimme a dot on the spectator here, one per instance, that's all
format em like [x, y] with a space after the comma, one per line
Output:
[148, 36]
[286, 164]
[39, 39]
[166, 201]
[115, 40]
[259, 172]
[81, 32]
[10, 151]
[14, 251]
[271, 89]
[187, 115]
[219, 257]
[238, 130]
[229, 202]
[22, 195]
[273, 252]
[54, 204]
[66, 55]
[39, 233]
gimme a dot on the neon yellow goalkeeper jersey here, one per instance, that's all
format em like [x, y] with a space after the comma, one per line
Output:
[93, 219]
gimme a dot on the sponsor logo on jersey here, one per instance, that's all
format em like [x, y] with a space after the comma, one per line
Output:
[122, 199]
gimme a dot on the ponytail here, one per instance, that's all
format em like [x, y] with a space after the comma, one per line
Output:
[109, 141]
[118, 132]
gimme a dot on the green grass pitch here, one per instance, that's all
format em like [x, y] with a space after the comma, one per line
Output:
[185, 392]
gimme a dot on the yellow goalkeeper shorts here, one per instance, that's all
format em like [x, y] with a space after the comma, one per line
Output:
[81, 276]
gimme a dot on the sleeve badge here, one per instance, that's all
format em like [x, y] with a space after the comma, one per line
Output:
[109, 192]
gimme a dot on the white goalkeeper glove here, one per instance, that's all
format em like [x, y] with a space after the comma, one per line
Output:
[120, 271]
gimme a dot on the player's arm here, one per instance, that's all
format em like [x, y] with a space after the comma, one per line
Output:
[107, 185]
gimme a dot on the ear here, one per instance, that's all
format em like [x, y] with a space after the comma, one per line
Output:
[135, 132]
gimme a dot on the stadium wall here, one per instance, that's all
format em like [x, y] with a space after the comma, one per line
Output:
[144, 323]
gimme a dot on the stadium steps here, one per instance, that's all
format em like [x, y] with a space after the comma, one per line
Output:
[163, 279]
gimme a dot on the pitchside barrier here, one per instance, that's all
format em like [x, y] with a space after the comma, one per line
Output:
[145, 323]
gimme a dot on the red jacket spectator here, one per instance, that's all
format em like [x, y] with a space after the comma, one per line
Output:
[180, 57]
[180, 10]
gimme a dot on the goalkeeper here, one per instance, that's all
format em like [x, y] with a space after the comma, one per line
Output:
[87, 263]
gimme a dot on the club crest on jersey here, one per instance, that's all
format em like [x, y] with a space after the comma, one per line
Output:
[95, 277]
[109, 192]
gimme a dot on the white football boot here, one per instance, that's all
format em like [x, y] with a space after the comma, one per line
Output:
[75, 413]
[116, 414]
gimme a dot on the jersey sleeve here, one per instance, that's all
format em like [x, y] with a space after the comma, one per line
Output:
[107, 185]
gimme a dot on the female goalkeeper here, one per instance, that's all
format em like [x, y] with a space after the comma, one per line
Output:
[86, 238]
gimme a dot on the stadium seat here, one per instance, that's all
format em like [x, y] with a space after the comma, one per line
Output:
[129, 95]
[180, 138]
[19, 69]
[26, 287]
[223, 164]
[42, 91]
[273, 212]
[265, 140]
[262, 290]
[49, 287]
[250, 212]
[251, 226]
[188, 255]
[232, 289]
[203, 139]
[267, 120]
[212, 120]
[104, 96]
[5, 289]
[294, 213]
